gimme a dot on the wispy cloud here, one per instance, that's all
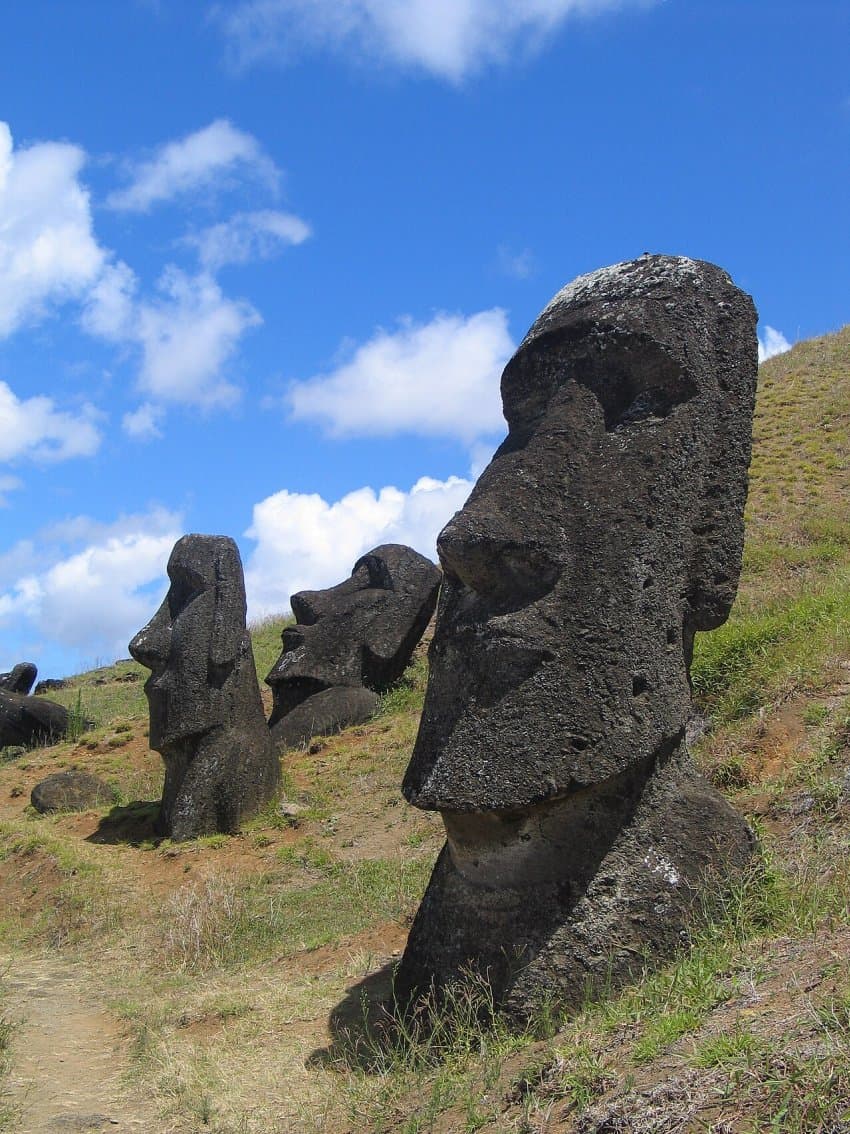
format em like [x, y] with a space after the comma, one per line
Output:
[518, 265]
[200, 160]
[438, 379]
[187, 334]
[771, 343]
[143, 424]
[48, 251]
[248, 236]
[451, 39]
[8, 484]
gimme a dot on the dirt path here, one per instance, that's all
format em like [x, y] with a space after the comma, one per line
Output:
[68, 1056]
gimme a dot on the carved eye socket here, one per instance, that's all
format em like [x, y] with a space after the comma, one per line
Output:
[632, 376]
[181, 594]
[633, 380]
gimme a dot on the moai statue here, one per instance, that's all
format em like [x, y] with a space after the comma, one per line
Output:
[350, 642]
[20, 679]
[606, 531]
[28, 720]
[206, 715]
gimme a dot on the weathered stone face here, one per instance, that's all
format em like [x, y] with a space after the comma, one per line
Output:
[606, 531]
[206, 715]
[359, 633]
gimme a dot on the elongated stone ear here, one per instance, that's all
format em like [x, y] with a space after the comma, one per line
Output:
[227, 638]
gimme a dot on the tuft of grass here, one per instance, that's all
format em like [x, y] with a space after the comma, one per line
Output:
[221, 923]
[728, 1050]
[408, 693]
[266, 643]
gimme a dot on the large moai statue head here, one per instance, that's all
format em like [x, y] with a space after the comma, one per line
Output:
[606, 531]
[350, 642]
[206, 714]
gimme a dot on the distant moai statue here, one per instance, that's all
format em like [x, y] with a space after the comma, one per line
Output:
[350, 642]
[206, 714]
[20, 679]
[606, 531]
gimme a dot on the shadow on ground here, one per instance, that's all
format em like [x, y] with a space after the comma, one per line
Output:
[360, 1024]
[134, 823]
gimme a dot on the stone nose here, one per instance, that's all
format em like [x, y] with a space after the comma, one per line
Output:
[152, 645]
[492, 558]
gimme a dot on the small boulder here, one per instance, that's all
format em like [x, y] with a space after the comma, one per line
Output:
[70, 791]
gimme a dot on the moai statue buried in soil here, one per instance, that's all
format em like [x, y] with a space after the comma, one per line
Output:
[206, 715]
[350, 642]
[606, 531]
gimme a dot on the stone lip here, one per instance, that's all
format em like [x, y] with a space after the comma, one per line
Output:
[359, 634]
[323, 714]
[206, 712]
[606, 531]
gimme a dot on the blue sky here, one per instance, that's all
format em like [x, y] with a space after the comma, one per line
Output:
[261, 263]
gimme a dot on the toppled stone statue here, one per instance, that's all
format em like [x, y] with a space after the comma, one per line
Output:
[606, 531]
[20, 679]
[350, 642]
[30, 720]
[206, 714]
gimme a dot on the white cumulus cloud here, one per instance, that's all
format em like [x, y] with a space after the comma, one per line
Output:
[771, 343]
[302, 541]
[434, 379]
[90, 585]
[199, 160]
[248, 236]
[48, 252]
[448, 38]
[34, 428]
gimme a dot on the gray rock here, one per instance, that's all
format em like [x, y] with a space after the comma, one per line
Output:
[323, 714]
[206, 714]
[607, 531]
[360, 633]
[71, 791]
[20, 678]
[30, 720]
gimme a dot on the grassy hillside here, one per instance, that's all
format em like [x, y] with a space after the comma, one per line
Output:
[239, 973]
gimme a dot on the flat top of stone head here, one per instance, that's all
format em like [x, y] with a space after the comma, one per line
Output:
[631, 281]
[206, 559]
